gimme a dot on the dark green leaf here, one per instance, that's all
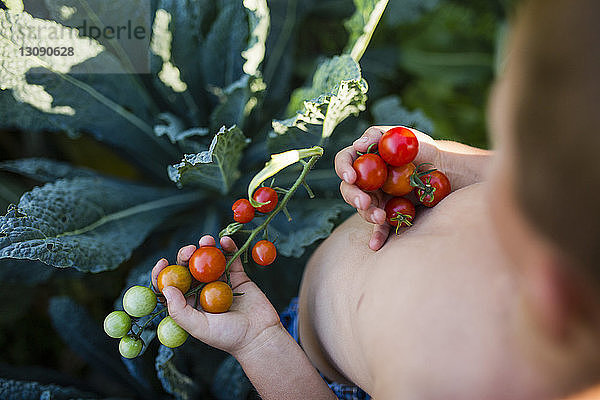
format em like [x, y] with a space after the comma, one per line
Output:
[45, 170]
[173, 381]
[23, 272]
[337, 92]
[216, 167]
[312, 220]
[362, 25]
[390, 111]
[226, 40]
[132, 54]
[235, 102]
[69, 95]
[89, 224]
[86, 338]
[406, 11]
[173, 128]
[23, 390]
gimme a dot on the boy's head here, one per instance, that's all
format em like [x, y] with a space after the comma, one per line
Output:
[545, 119]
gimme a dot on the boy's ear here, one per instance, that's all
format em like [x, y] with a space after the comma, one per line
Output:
[547, 298]
[558, 297]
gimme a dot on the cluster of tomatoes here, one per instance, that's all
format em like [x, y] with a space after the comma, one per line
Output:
[205, 267]
[393, 172]
[140, 301]
[264, 251]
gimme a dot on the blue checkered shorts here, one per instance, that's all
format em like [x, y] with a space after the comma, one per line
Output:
[289, 319]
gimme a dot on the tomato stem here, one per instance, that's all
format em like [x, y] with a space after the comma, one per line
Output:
[308, 190]
[307, 166]
[152, 316]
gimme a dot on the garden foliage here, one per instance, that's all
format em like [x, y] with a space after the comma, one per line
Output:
[232, 82]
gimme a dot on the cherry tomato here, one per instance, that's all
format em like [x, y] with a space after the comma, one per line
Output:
[371, 172]
[207, 264]
[216, 297]
[243, 212]
[117, 324]
[264, 253]
[398, 146]
[398, 180]
[265, 195]
[139, 301]
[174, 275]
[170, 334]
[130, 346]
[400, 212]
[437, 186]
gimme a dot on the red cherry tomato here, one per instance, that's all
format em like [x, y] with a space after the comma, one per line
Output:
[207, 264]
[398, 180]
[265, 195]
[400, 212]
[264, 253]
[243, 212]
[371, 172]
[216, 297]
[398, 146]
[437, 186]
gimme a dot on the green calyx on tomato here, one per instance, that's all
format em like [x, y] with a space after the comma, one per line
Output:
[436, 186]
[400, 212]
[267, 198]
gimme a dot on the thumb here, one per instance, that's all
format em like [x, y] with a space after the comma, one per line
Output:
[182, 313]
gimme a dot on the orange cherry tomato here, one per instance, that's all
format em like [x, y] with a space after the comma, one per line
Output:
[216, 297]
[174, 275]
[398, 180]
[264, 253]
[207, 264]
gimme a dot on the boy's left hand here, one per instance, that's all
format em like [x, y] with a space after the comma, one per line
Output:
[248, 322]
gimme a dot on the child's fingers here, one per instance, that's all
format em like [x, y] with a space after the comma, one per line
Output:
[354, 196]
[379, 236]
[160, 265]
[184, 314]
[374, 215]
[343, 164]
[184, 254]
[207, 241]
[371, 135]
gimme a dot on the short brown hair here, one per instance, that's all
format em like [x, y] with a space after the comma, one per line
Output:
[557, 123]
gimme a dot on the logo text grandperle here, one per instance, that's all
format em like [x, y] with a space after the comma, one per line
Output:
[120, 32]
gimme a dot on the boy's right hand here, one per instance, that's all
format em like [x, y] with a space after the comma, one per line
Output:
[370, 205]
[246, 326]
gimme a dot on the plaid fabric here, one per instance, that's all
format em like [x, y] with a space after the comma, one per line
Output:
[289, 319]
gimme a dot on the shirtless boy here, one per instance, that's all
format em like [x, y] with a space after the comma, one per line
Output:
[492, 294]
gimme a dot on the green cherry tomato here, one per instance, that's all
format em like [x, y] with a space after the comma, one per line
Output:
[139, 301]
[130, 347]
[170, 334]
[117, 324]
